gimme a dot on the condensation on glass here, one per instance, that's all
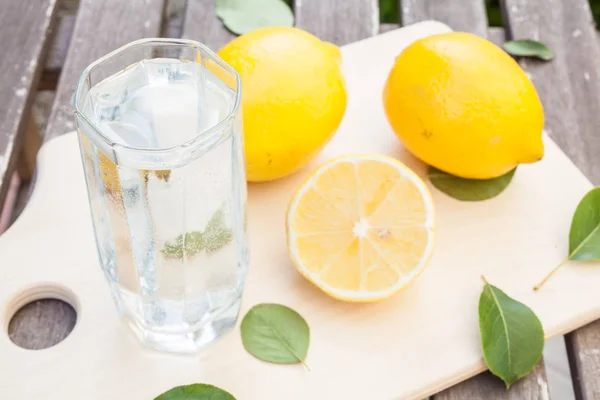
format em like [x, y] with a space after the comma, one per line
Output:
[160, 134]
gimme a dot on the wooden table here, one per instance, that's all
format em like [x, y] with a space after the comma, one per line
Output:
[569, 87]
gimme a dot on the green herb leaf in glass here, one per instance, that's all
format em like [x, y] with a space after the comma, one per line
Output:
[242, 16]
[512, 337]
[174, 249]
[276, 334]
[198, 391]
[584, 236]
[528, 48]
[193, 244]
[469, 189]
[217, 235]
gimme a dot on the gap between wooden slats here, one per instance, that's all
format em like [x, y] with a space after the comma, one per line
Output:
[101, 27]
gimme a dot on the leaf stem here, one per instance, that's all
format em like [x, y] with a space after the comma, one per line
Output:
[572, 254]
[547, 277]
[305, 365]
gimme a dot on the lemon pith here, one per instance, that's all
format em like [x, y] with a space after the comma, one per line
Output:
[361, 227]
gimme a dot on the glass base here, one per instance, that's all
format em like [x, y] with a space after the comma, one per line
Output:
[187, 342]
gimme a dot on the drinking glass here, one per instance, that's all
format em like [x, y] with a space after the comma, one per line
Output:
[160, 134]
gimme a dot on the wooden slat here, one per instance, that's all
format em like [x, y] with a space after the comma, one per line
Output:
[583, 349]
[172, 26]
[470, 16]
[496, 35]
[338, 21]
[460, 15]
[202, 24]
[59, 44]
[36, 323]
[101, 26]
[24, 28]
[569, 87]
[487, 386]
[383, 28]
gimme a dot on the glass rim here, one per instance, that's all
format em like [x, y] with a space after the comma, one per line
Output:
[174, 41]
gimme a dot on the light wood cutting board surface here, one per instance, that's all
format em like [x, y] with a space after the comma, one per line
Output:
[422, 340]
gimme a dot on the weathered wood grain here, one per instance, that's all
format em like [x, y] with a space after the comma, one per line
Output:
[35, 325]
[487, 386]
[59, 44]
[172, 25]
[496, 35]
[568, 85]
[338, 21]
[25, 29]
[202, 24]
[383, 28]
[101, 26]
[583, 349]
[460, 15]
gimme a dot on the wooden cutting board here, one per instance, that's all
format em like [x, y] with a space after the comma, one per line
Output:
[422, 340]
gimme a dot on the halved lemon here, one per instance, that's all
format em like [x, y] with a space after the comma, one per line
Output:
[361, 227]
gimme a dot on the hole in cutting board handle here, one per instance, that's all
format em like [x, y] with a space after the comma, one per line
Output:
[41, 316]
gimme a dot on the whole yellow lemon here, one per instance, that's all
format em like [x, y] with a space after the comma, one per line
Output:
[293, 97]
[461, 104]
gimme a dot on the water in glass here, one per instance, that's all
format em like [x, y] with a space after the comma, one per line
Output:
[167, 191]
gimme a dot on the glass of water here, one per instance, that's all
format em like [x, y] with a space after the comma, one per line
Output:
[160, 134]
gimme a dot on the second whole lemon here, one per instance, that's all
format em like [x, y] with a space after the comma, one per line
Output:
[461, 104]
[293, 97]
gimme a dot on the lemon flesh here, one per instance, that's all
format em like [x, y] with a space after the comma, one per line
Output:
[361, 227]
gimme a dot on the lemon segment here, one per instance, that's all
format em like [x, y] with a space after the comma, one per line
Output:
[361, 227]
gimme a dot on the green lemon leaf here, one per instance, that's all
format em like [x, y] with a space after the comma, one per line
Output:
[276, 334]
[512, 336]
[528, 48]
[584, 236]
[242, 16]
[469, 189]
[198, 391]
